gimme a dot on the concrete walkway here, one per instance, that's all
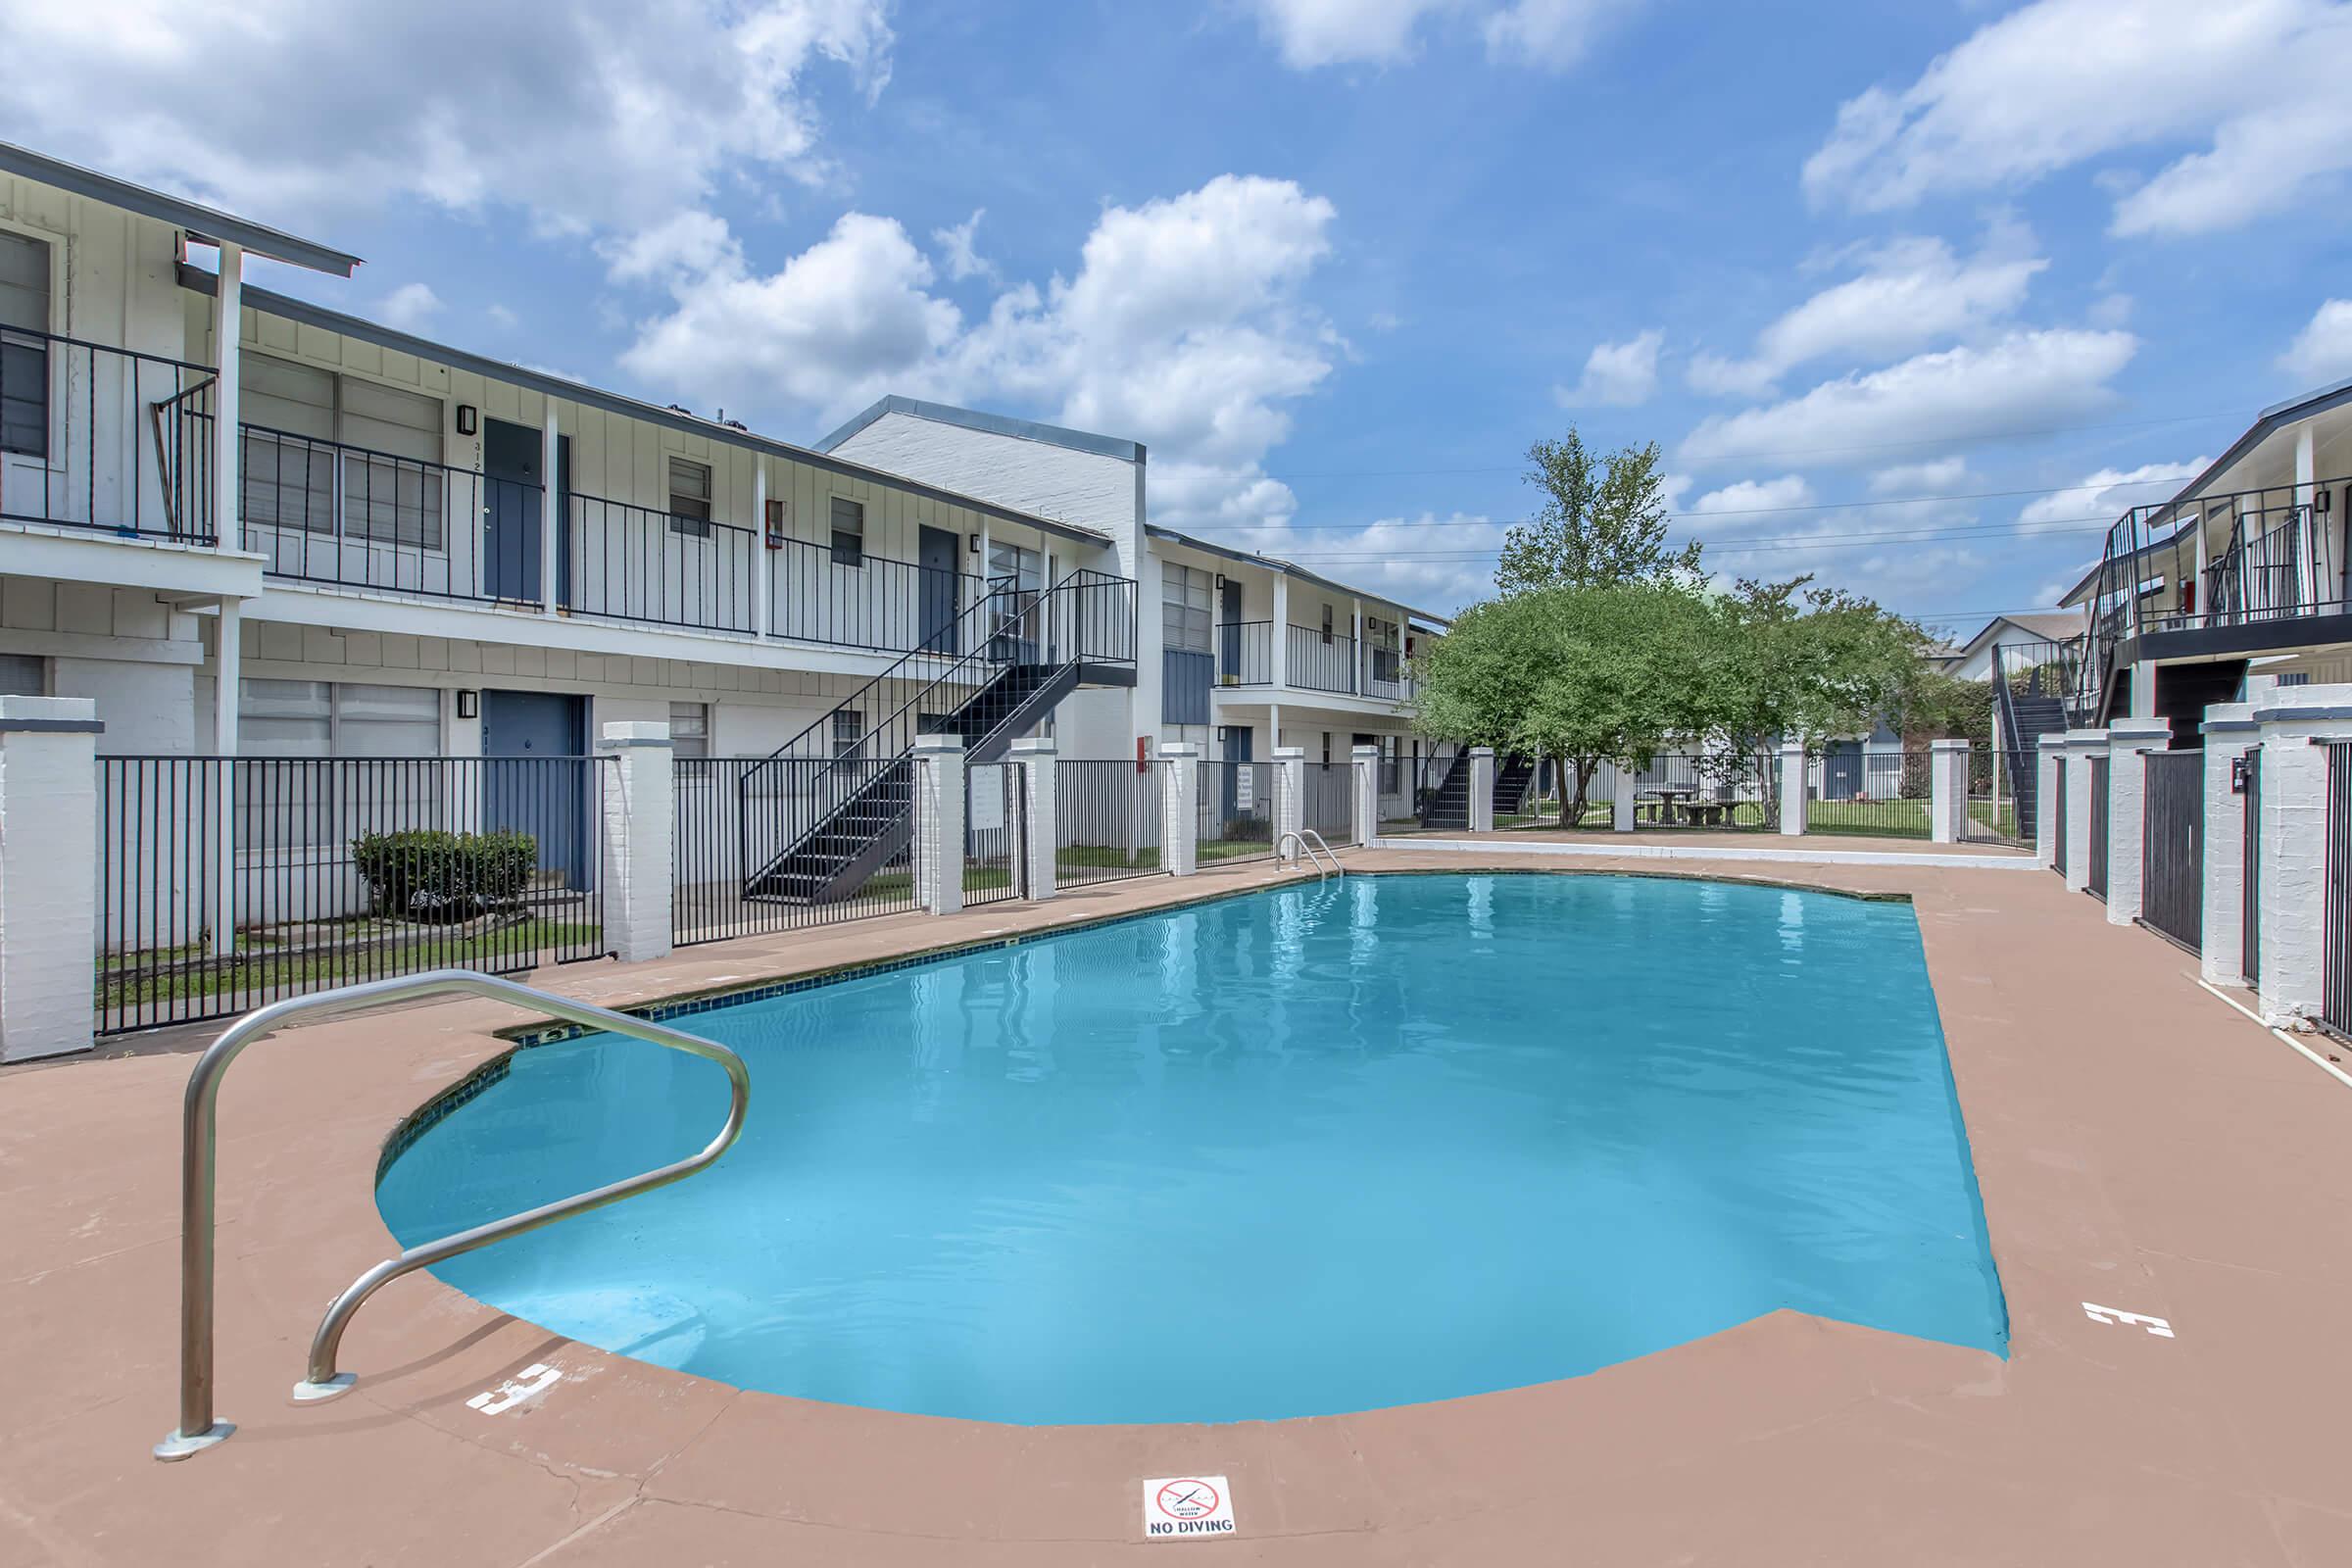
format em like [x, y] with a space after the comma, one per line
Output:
[2140, 1147]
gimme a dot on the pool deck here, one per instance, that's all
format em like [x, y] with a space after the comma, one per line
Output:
[2140, 1145]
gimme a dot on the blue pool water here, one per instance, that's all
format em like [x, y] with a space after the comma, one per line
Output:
[1310, 1151]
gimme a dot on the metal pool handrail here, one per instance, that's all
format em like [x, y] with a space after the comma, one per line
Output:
[1301, 837]
[198, 1430]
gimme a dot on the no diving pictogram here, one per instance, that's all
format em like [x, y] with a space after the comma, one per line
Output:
[1188, 1499]
[1187, 1509]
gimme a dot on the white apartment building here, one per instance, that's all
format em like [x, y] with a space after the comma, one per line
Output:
[250, 525]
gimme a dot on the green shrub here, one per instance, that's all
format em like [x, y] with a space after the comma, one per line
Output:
[430, 875]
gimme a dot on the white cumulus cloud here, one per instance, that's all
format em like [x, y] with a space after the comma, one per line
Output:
[588, 113]
[2061, 82]
[1552, 35]
[2323, 350]
[2107, 494]
[1920, 478]
[2016, 385]
[410, 307]
[1617, 374]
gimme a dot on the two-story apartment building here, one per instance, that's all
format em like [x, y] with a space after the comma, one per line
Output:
[249, 525]
[2245, 571]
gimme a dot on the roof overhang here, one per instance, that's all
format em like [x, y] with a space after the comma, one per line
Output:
[207, 224]
[1102, 446]
[197, 279]
[1287, 569]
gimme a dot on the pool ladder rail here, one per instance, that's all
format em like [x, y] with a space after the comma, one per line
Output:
[1310, 842]
[198, 1428]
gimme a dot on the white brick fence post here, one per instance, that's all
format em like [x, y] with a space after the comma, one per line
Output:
[1947, 791]
[1792, 789]
[1363, 794]
[2293, 862]
[1482, 789]
[2080, 746]
[640, 813]
[1041, 812]
[2129, 743]
[1290, 795]
[48, 875]
[1625, 785]
[2229, 733]
[2047, 764]
[939, 823]
[1179, 808]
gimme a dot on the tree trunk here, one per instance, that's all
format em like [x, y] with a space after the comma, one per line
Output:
[1573, 814]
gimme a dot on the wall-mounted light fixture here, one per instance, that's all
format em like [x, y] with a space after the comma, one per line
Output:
[2319, 501]
[470, 705]
[469, 418]
[775, 522]
[974, 543]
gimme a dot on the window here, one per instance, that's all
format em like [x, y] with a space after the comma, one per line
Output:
[690, 498]
[1327, 733]
[310, 431]
[23, 361]
[1381, 635]
[690, 729]
[309, 720]
[848, 532]
[849, 732]
[23, 675]
[317, 718]
[1183, 609]
[1327, 634]
[1025, 568]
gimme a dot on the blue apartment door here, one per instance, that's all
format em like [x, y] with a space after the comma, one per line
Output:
[1229, 632]
[1841, 771]
[512, 495]
[1236, 741]
[525, 788]
[936, 556]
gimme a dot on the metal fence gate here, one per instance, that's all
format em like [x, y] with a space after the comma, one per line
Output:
[2095, 873]
[2335, 985]
[996, 834]
[224, 883]
[2250, 938]
[2172, 899]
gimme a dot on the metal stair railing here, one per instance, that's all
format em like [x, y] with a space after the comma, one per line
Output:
[198, 1428]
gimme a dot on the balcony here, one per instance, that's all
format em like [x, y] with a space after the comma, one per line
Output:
[1314, 662]
[98, 438]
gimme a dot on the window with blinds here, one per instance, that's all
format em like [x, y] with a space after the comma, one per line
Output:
[848, 532]
[1185, 615]
[327, 453]
[23, 358]
[690, 498]
[690, 729]
[297, 798]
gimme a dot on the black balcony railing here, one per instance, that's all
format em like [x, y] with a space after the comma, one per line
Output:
[1246, 652]
[867, 601]
[322, 512]
[1320, 661]
[104, 438]
[640, 563]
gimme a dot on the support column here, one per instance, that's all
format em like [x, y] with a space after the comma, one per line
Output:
[1792, 789]
[1947, 791]
[229, 691]
[1355, 624]
[2230, 732]
[1622, 792]
[1364, 794]
[639, 808]
[764, 580]
[550, 517]
[2080, 746]
[48, 875]
[2049, 763]
[1482, 789]
[1290, 795]
[939, 823]
[229, 331]
[1041, 812]
[2292, 866]
[2129, 743]
[1280, 636]
[1179, 810]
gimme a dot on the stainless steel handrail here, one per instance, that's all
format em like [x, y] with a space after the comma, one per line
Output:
[1301, 836]
[198, 1430]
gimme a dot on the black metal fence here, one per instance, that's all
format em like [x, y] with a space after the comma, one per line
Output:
[1235, 812]
[2335, 960]
[1326, 800]
[2058, 819]
[995, 838]
[2001, 787]
[765, 844]
[1106, 821]
[227, 883]
[2103, 855]
[2250, 909]
[2172, 892]
[1868, 794]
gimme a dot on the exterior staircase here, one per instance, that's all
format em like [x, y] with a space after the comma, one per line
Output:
[819, 822]
[1514, 781]
[1449, 807]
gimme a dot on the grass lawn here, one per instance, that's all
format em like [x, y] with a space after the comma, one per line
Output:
[128, 979]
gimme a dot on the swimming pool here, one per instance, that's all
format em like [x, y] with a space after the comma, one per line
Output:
[1319, 1149]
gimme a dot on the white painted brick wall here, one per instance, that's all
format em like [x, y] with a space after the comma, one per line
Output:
[2293, 864]
[939, 823]
[2129, 743]
[1482, 789]
[1947, 791]
[2080, 746]
[1364, 794]
[2047, 765]
[1179, 819]
[640, 808]
[48, 876]
[2230, 732]
[1041, 778]
[1792, 789]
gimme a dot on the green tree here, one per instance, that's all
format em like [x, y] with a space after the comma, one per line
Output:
[1604, 521]
[1581, 676]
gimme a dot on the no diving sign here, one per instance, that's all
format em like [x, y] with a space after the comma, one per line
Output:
[1187, 1509]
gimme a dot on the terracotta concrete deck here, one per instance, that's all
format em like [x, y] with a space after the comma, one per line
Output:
[2140, 1145]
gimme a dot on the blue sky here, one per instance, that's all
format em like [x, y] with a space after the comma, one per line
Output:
[1993, 272]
